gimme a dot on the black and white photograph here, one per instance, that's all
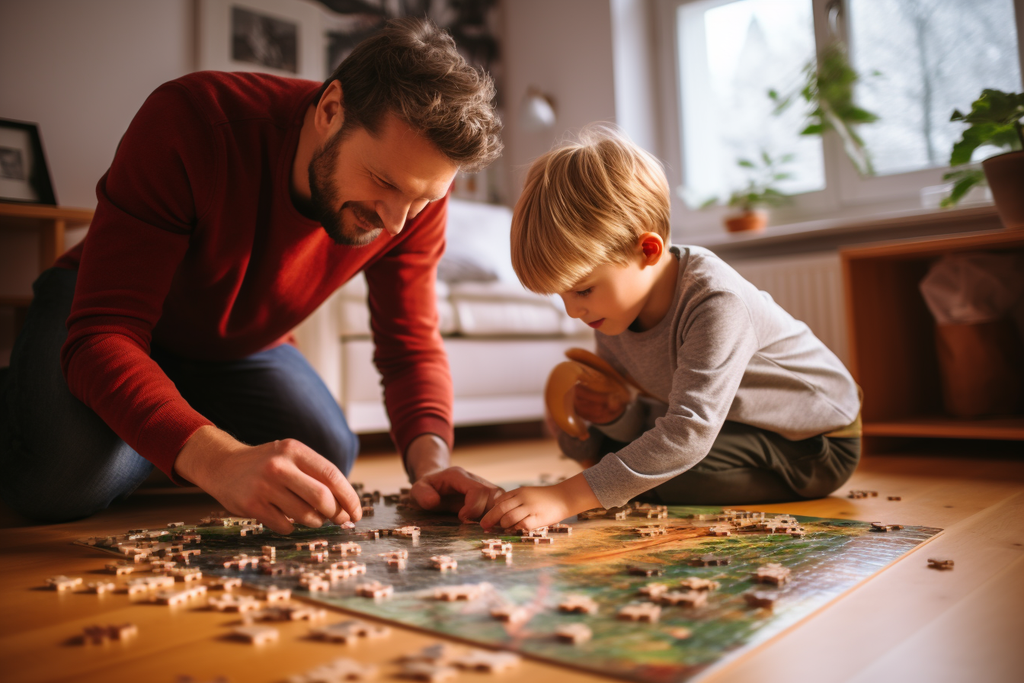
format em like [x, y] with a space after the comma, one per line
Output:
[260, 39]
[24, 176]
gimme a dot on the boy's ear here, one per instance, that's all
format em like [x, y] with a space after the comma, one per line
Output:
[652, 247]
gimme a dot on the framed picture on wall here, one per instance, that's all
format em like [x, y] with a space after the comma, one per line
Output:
[283, 37]
[24, 176]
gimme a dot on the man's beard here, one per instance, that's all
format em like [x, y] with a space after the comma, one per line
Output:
[324, 195]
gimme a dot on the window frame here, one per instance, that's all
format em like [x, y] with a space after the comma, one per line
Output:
[847, 194]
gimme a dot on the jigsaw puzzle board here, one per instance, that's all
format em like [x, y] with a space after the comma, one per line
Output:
[595, 560]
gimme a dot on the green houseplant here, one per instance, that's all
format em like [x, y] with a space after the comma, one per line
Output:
[994, 120]
[759, 193]
[828, 87]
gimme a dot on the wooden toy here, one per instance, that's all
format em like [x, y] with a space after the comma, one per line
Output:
[589, 370]
[574, 633]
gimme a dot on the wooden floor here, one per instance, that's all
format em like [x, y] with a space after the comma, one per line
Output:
[907, 624]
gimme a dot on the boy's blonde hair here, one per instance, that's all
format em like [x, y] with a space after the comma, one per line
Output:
[585, 204]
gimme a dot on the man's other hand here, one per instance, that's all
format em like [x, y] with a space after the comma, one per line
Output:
[278, 483]
[453, 489]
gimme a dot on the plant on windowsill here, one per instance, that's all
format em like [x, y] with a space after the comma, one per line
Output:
[828, 87]
[759, 193]
[995, 121]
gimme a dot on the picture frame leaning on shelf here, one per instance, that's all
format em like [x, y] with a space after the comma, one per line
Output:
[24, 175]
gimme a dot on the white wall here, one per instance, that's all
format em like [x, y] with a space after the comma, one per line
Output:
[80, 70]
[564, 48]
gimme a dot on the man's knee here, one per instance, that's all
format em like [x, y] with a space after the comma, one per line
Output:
[339, 445]
[75, 487]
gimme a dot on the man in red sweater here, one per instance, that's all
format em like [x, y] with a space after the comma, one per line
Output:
[234, 206]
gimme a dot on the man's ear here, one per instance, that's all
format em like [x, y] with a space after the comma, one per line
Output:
[330, 110]
[651, 247]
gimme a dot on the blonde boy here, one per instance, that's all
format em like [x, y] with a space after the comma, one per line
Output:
[742, 404]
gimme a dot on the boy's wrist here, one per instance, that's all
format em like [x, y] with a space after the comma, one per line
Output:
[578, 495]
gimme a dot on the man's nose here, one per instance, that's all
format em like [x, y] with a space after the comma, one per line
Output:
[393, 215]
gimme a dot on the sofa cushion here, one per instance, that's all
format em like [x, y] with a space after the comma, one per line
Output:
[489, 309]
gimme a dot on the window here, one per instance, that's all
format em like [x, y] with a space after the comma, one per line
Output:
[918, 60]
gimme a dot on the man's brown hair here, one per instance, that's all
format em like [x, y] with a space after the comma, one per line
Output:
[412, 69]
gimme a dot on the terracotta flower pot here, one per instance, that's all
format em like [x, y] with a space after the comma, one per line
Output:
[1005, 175]
[748, 221]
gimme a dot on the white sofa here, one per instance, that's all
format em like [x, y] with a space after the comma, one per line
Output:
[502, 340]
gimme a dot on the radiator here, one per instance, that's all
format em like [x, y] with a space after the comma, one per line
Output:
[810, 288]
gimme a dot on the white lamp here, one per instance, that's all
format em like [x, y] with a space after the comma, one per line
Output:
[538, 110]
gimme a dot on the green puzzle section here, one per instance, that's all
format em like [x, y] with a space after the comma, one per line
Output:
[833, 557]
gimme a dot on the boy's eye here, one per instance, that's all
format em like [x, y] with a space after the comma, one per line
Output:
[584, 292]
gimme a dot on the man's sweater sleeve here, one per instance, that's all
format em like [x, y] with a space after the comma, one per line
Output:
[148, 205]
[716, 344]
[404, 320]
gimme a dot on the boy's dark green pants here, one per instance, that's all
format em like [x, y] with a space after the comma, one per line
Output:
[746, 466]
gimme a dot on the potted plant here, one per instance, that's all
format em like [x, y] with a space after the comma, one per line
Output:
[759, 193]
[994, 120]
[828, 87]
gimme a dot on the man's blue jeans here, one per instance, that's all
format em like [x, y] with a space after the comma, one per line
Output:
[60, 461]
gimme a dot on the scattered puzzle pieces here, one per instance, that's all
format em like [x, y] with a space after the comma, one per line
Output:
[760, 599]
[486, 660]
[467, 592]
[443, 562]
[257, 635]
[646, 611]
[98, 635]
[578, 603]
[336, 671]
[574, 633]
[772, 573]
[686, 599]
[349, 631]
[934, 563]
[63, 583]
[375, 590]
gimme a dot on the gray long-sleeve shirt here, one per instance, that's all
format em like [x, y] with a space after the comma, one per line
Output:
[724, 351]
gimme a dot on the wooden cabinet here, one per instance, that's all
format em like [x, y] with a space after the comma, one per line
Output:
[50, 224]
[892, 340]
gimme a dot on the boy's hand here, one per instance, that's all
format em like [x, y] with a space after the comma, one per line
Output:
[598, 407]
[529, 507]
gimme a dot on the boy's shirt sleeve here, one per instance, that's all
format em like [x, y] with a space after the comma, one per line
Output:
[717, 343]
[409, 352]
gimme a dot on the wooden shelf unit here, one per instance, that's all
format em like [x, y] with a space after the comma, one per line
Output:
[892, 339]
[51, 222]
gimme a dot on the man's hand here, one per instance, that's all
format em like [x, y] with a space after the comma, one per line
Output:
[278, 483]
[436, 486]
[532, 506]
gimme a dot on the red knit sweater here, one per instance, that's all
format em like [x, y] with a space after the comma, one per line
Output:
[197, 248]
